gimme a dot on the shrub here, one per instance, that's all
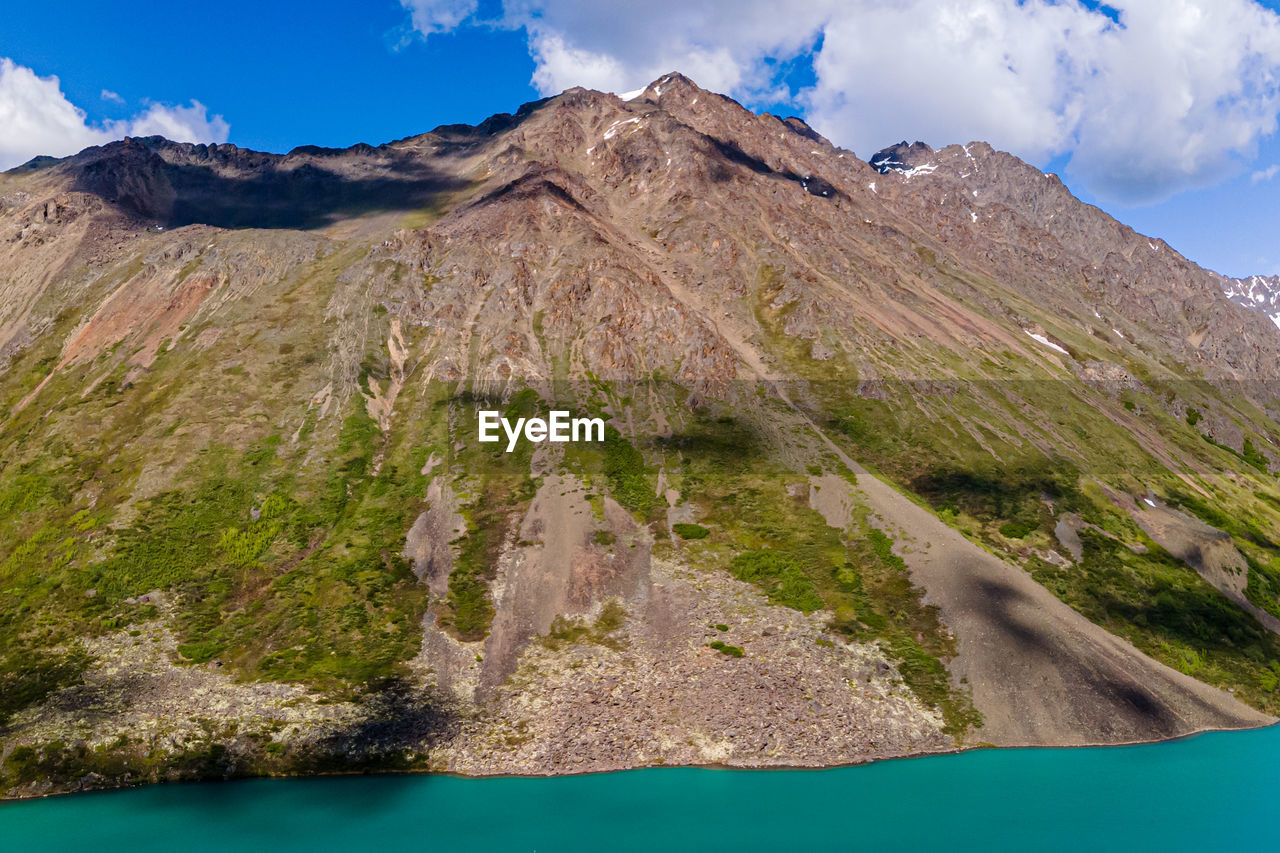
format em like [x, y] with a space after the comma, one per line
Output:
[690, 531]
[780, 576]
[726, 649]
[624, 471]
[1016, 529]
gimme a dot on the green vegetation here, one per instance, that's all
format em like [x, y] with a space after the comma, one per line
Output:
[1017, 529]
[602, 632]
[780, 575]
[1012, 496]
[767, 535]
[278, 575]
[1248, 454]
[690, 531]
[996, 491]
[1263, 585]
[1251, 455]
[1168, 611]
[624, 472]
[726, 649]
[29, 677]
[501, 488]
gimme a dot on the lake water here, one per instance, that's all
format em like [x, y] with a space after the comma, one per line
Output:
[1212, 792]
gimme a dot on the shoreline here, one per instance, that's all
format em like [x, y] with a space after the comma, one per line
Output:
[984, 747]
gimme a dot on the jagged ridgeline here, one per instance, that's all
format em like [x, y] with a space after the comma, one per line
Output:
[895, 460]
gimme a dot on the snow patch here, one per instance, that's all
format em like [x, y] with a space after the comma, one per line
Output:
[925, 169]
[632, 95]
[1149, 502]
[872, 185]
[1042, 339]
[612, 129]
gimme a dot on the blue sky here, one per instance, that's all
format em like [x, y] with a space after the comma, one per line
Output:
[282, 74]
[1164, 118]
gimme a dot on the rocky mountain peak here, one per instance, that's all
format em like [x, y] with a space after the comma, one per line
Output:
[901, 157]
[1257, 292]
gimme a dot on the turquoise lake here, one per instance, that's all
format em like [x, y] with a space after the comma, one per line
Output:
[1211, 792]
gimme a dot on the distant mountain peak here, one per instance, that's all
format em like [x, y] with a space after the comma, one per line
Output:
[1257, 292]
[901, 157]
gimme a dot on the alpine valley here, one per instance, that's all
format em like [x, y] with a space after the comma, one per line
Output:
[898, 458]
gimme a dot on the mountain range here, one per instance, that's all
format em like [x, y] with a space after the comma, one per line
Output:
[904, 455]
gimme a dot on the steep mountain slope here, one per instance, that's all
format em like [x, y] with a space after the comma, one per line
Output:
[882, 445]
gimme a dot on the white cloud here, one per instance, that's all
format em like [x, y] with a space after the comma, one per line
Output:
[108, 95]
[615, 46]
[438, 16]
[36, 118]
[180, 124]
[1265, 174]
[1174, 95]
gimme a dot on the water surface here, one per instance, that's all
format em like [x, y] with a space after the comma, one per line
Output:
[1211, 792]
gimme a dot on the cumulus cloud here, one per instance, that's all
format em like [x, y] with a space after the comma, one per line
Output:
[614, 46]
[1264, 174]
[1146, 97]
[438, 16]
[181, 124]
[37, 118]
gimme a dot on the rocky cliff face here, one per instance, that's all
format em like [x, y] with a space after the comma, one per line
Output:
[242, 497]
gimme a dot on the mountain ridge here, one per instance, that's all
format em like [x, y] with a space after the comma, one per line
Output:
[242, 389]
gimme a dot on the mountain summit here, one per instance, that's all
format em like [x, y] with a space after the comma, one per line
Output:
[900, 456]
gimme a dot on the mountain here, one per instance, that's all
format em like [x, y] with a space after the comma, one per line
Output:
[897, 459]
[1261, 293]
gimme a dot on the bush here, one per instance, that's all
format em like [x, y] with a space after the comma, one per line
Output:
[726, 649]
[1016, 529]
[780, 576]
[624, 471]
[690, 531]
